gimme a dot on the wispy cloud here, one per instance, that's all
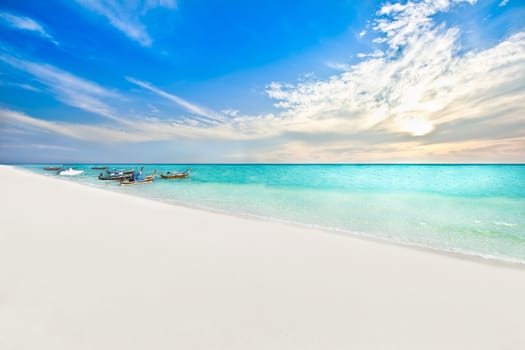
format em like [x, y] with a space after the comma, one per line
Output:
[375, 54]
[139, 131]
[211, 116]
[68, 88]
[85, 132]
[344, 67]
[503, 3]
[25, 24]
[20, 85]
[41, 146]
[126, 16]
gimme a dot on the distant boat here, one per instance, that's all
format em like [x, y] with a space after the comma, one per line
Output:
[70, 172]
[53, 168]
[99, 167]
[117, 174]
[138, 179]
[175, 175]
[129, 171]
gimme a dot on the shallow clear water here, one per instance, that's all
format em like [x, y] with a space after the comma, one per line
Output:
[471, 209]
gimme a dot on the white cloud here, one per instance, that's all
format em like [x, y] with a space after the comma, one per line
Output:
[68, 88]
[420, 85]
[503, 3]
[375, 54]
[21, 86]
[211, 116]
[231, 112]
[91, 97]
[144, 130]
[402, 22]
[85, 132]
[126, 16]
[344, 67]
[26, 24]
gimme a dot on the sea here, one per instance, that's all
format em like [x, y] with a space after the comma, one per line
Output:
[474, 210]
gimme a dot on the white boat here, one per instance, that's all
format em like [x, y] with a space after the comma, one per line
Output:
[70, 172]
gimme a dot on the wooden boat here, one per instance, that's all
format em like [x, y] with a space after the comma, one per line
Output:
[53, 168]
[99, 167]
[173, 175]
[127, 172]
[116, 175]
[112, 176]
[137, 180]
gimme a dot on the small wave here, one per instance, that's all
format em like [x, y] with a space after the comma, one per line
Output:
[503, 223]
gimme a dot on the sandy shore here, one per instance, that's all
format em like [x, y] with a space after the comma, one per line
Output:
[84, 268]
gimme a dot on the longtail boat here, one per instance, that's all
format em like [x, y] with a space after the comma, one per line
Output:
[99, 167]
[116, 175]
[175, 175]
[137, 179]
[53, 168]
[130, 171]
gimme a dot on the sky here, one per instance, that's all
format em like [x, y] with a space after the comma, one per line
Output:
[203, 81]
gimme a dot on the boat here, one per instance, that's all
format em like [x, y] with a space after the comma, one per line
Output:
[175, 175]
[99, 167]
[70, 172]
[138, 179]
[116, 175]
[55, 168]
[127, 172]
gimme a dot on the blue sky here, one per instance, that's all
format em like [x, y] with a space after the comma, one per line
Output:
[275, 81]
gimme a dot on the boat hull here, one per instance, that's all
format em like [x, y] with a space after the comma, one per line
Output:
[170, 175]
[176, 176]
[115, 178]
[127, 172]
[131, 182]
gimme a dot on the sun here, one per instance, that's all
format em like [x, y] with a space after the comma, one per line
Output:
[417, 126]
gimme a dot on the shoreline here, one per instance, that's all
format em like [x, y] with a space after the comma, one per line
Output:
[84, 268]
[462, 255]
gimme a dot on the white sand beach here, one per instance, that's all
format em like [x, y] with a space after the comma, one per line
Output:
[84, 268]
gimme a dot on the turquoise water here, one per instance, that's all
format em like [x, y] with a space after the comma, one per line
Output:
[470, 209]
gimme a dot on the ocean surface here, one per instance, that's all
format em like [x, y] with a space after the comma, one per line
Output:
[469, 209]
